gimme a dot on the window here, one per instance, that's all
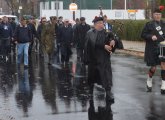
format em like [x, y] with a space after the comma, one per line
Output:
[56, 5]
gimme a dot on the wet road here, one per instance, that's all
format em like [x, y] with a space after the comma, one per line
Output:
[56, 92]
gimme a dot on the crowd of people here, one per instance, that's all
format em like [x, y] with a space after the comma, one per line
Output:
[50, 36]
[56, 37]
[94, 45]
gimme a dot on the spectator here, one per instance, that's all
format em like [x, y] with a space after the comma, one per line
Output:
[107, 26]
[79, 36]
[65, 38]
[39, 31]
[33, 31]
[5, 37]
[48, 38]
[23, 37]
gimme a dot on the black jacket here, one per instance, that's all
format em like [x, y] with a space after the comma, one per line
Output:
[23, 34]
[5, 30]
[97, 58]
[65, 35]
[33, 30]
[152, 47]
[65, 40]
[39, 31]
[79, 35]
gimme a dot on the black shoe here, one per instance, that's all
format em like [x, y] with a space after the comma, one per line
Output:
[26, 66]
[49, 63]
[149, 89]
[110, 99]
[162, 92]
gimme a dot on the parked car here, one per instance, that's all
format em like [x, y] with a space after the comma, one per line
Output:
[11, 16]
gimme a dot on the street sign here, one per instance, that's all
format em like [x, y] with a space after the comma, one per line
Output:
[132, 11]
[73, 7]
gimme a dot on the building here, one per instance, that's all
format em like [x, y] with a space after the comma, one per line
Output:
[114, 9]
[94, 4]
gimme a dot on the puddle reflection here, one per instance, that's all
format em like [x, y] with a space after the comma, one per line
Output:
[24, 92]
[102, 113]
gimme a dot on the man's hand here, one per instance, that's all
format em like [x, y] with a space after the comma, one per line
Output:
[15, 42]
[154, 38]
[112, 43]
[108, 48]
[12, 39]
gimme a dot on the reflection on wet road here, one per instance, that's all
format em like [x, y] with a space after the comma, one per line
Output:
[60, 92]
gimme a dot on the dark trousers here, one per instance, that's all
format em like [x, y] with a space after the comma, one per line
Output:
[13, 47]
[80, 54]
[58, 53]
[31, 47]
[58, 49]
[4, 46]
[41, 48]
[64, 58]
[65, 53]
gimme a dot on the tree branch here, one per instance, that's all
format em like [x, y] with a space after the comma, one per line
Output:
[9, 3]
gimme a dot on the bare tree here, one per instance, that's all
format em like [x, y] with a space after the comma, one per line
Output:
[27, 6]
[13, 5]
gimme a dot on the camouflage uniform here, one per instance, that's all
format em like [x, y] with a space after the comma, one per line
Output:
[48, 39]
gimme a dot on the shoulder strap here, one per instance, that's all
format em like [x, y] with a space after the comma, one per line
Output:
[159, 30]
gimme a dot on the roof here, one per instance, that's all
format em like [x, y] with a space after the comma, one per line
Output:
[10, 16]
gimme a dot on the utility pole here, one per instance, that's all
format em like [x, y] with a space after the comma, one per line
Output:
[125, 4]
[80, 9]
[57, 7]
[74, 11]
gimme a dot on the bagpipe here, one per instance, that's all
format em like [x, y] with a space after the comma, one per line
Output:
[101, 12]
[112, 34]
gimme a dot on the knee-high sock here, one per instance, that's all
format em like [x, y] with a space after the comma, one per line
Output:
[151, 71]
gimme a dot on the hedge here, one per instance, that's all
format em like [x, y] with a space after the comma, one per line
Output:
[128, 29]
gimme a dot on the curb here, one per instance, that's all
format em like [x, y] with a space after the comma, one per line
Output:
[131, 52]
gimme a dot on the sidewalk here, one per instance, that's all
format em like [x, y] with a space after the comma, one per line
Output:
[133, 48]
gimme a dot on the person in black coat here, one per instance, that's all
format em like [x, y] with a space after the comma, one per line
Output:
[79, 36]
[107, 26]
[39, 31]
[65, 39]
[6, 34]
[33, 31]
[13, 25]
[98, 47]
[154, 33]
